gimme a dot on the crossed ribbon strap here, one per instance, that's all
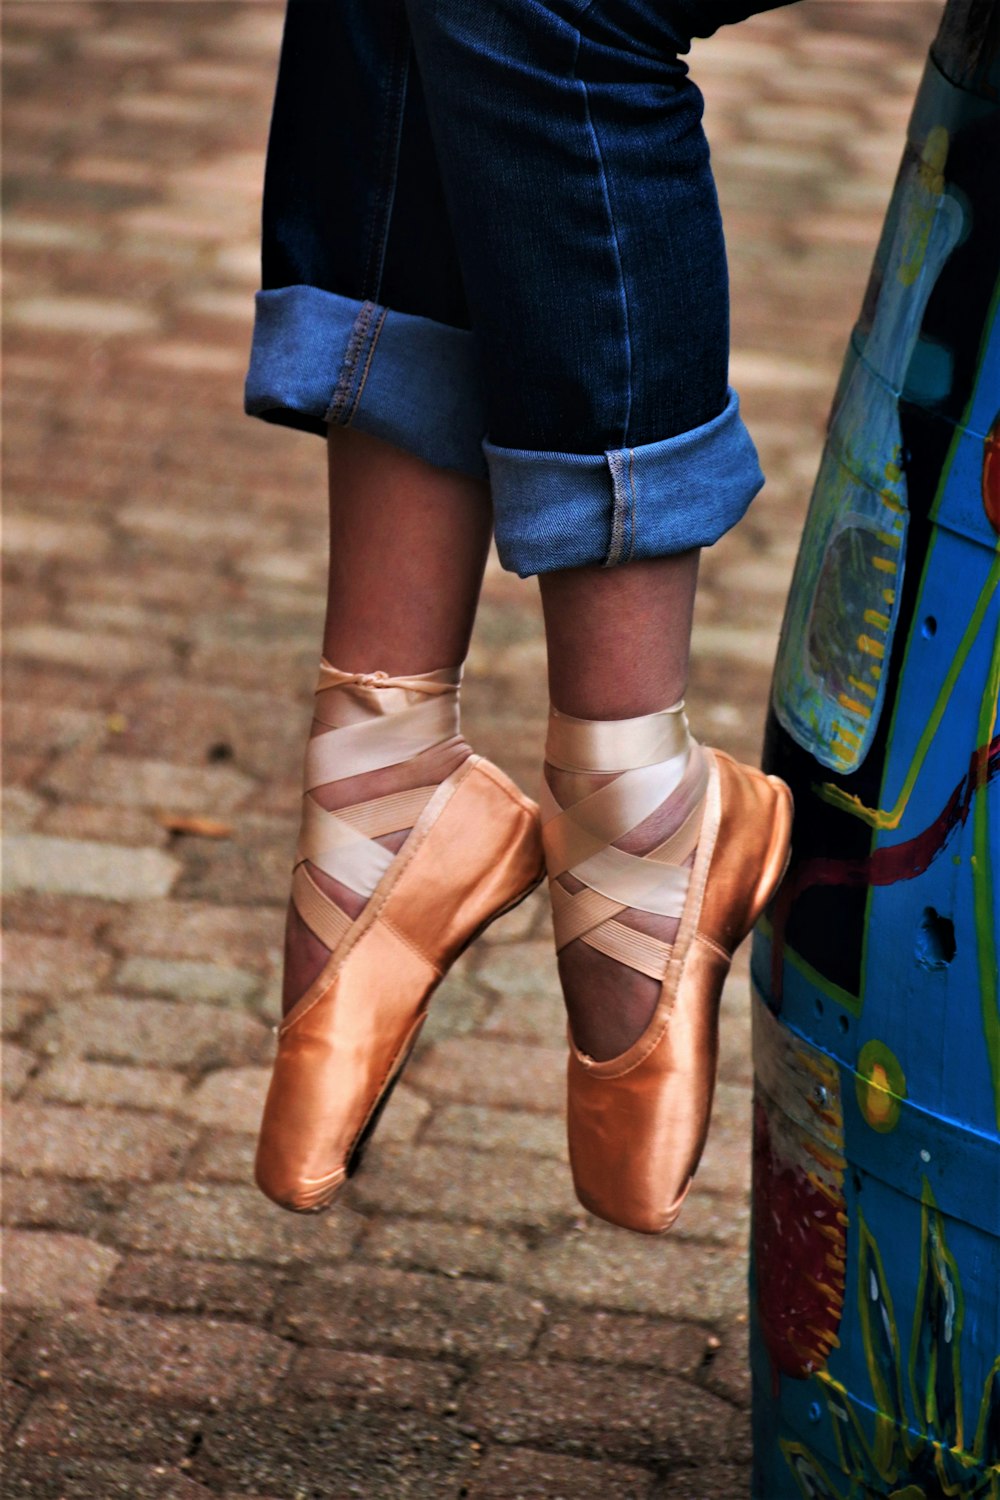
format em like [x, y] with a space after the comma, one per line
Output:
[372, 721]
[651, 757]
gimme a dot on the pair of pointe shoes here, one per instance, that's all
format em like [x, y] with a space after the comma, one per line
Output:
[637, 1123]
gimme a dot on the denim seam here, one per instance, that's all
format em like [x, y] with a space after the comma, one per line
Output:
[389, 167]
[619, 509]
[614, 235]
[363, 377]
[631, 485]
[343, 404]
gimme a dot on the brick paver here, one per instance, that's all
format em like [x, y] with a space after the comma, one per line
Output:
[458, 1327]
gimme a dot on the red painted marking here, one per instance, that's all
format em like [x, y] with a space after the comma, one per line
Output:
[798, 1230]
[884, 866]
[991, 474]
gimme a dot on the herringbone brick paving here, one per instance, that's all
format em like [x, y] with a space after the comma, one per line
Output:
[458, 1327]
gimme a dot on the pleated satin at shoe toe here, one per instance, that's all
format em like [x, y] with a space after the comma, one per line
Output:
[637, 1123]
[473, 852]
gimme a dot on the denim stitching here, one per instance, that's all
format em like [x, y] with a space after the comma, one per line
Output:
[619, 509]
[389, 166]
[368, 362]
[631, 482]
[345, 396]
[614, 233]
[619, 512]
[351, 356]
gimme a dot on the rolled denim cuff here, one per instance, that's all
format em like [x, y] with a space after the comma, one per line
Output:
[565, 510]
[319, 359]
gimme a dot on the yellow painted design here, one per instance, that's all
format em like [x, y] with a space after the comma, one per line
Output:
[854, 706]
[806, 1468]
[872, 617]
[979, 1445]
[847, 736]
[825, 1158]
[907, 1458]
[819, 982]
[853, 1449]
[880, 1086]
[821, 1187]
[872, 647]
[880, 1338]
[879, 1105]
[862, 687]
[889, 595]
[937, 1261]
[924, 205]
[888, 538]
[884, 564]
[878, 817]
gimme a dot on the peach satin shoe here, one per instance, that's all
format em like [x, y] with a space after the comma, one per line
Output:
[473, 853]
[637, 1123]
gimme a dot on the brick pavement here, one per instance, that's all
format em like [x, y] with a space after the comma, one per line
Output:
[457, 1327]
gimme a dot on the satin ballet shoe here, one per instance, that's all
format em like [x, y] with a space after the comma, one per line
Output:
[472, 853]
[637, 1123]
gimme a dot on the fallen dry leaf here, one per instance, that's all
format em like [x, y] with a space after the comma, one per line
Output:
[199, 827]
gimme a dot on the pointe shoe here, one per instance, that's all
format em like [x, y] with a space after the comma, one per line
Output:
[637, 1123]
[473, 853]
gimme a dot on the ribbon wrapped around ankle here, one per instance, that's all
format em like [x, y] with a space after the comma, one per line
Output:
[597, 745]
[380, 720]
[371, 721]
[650, 757]
[442, 681]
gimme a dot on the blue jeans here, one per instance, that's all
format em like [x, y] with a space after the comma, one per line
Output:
[491, 236]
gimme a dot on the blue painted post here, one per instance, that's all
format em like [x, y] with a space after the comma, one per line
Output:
[875, 1282]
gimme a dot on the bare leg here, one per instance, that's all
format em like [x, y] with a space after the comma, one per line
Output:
[619, 638]
[408, 545]
[618, 647]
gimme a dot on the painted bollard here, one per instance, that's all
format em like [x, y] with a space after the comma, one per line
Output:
[875, 1279]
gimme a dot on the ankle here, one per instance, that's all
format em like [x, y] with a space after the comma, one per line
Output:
[428, 769]
[571, 786]
[616, 791]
